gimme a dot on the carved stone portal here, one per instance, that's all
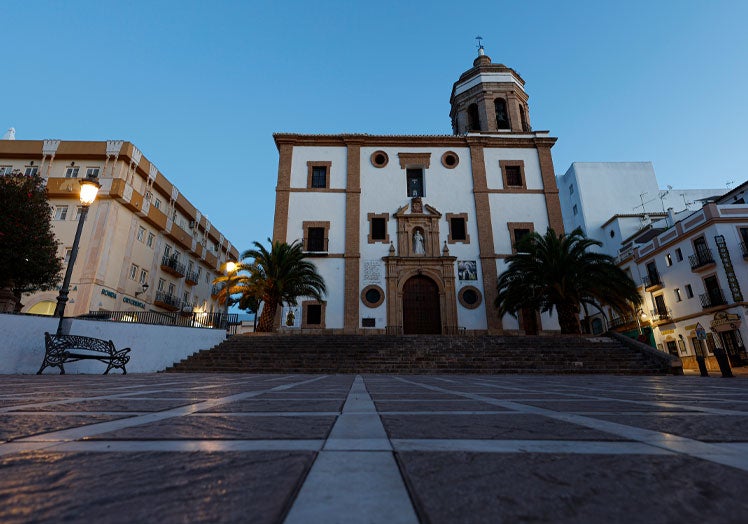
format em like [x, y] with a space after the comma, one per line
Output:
[419, 254]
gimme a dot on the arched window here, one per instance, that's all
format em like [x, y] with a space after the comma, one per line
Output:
[523, 118]
[502, 116]
[473, 118]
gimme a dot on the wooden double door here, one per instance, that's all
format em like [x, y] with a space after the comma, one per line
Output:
[421, 309]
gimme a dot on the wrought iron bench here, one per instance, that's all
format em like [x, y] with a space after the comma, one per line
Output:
[58, 350]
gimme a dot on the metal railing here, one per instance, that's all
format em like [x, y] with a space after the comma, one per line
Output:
[660, 314]
[168, 299]
[701, 258]
[192, 277]
[193, 319]
[173, 264]
[651, 280]
[712, 298]
[622, 321]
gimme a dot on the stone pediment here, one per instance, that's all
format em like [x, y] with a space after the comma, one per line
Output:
[417, 207]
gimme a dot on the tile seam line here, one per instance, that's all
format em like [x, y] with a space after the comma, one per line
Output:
[624, 431]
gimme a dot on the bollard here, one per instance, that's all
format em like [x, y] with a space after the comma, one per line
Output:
[724, 362]
[701, 361]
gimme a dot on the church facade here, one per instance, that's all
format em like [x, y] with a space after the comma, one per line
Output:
[410, 232]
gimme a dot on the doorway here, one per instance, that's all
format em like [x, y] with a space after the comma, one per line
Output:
[421, 310]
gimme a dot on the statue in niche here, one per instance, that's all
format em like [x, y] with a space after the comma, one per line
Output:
[418, 247]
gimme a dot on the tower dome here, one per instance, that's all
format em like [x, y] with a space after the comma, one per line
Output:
[489, 98]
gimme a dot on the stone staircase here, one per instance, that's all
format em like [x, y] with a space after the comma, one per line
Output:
[424, 354]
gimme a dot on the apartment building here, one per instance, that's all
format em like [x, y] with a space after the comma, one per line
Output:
[144, 246]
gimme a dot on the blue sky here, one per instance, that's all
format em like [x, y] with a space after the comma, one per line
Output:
[200, 87]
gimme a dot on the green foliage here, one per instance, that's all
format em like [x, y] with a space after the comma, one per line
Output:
[560, 271]
[28, 247]
[280, 275]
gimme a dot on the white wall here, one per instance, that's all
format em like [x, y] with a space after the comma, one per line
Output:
[154, 348]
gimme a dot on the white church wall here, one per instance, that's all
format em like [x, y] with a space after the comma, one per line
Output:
[301, 155]
[318, 206]
[492, 156]
[332, 271]
[515, 207]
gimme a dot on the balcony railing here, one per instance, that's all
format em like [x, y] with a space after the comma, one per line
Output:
[702, 258]
[652, 280]
[315, 245]
[660, 315]
[712, 299]
[622, 321]
[167, 301]
[192, 277]
[172, 265]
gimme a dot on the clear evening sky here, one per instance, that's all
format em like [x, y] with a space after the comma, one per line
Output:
[200, 87]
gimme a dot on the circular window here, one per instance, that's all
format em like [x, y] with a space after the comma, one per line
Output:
[450, 160]
[470, 297]
[379, 159]
[372, 296]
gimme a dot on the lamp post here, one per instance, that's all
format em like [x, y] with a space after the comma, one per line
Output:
[230, 269]
[89, 188]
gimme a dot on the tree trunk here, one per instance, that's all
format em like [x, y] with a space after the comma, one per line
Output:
[568, 319]
[265, 324]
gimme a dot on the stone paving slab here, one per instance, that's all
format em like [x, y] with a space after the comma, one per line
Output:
[150, 487]
[374, 448]
[497, 487]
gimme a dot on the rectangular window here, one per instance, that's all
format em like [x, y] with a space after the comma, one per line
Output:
[457, 229]
[68, 253]
[519, 234]
[668, 260]
[678, 298]
[315, 239]
[61, 212]
[314, 314]
[575, 210]
[571, 189]
[78, 212]
[151, 238]
[378, 228]
[415, 182]
[133, 271]
[660, 307]
[186, 297]
[689, 291]
[92, 171]
[167, 251]
[143, 276]
[319, 176]
[157, 204]
[678, 254]
[141, 234]
[72, 172]
[31, 171]
[513, 176]
[171, 288]
[161, 284]
[6, 170]
[744, 235]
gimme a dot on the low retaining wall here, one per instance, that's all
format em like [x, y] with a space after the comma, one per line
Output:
[154, 347]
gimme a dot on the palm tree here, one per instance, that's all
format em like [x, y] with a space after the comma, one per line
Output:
[560, 271]
[280, 275]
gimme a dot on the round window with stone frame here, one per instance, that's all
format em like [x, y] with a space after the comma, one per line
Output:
[470, 297]
[379, 159]
[450, 160]
[372, 296]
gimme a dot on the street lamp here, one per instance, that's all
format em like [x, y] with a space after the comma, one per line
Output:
[230, 268]
[89, 189]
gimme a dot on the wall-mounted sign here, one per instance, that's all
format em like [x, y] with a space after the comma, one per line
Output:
[136, 303]
[108, 293]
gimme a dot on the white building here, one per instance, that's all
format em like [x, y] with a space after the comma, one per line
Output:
[610, 201]
[694, 274]
[410, 232]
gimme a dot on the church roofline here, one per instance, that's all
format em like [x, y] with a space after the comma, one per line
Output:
[531, 139]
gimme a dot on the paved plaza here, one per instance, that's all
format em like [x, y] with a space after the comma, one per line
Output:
[373, 448]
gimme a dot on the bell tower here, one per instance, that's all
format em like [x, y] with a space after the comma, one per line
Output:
[489, 98]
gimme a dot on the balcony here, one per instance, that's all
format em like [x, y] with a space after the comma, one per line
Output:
[625, 320]
[712, 299]
[652, 282]
[315, 246]
[172, 266]
[191, 278]
[215, 290]
[701, 260]
[661, 315]
[167, 301]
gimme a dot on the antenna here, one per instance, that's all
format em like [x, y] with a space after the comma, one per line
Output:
[479, 45]
[729, 183]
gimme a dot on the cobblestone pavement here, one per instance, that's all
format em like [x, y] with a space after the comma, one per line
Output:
[373, 448]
